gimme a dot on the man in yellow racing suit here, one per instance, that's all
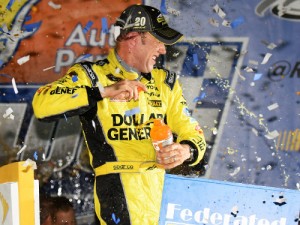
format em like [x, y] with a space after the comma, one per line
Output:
[128, 180]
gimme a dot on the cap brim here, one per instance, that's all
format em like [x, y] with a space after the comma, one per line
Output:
[167, 35]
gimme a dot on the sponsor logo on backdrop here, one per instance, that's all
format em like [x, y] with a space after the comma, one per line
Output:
[284, 69]
[285, 9]
[13, 32]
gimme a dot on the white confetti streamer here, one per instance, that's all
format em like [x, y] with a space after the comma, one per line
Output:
[272, 135]
[53, 5]
[235, 172]
[226, 23]
[48, 68]
[117, 31]
[214, 22]
[219, 11]
[271, 46]
[239, 73]
[30, 163]
[101, 88]
[23, 60]
[173, 11]
[253, 62]
[13, 82]
[8, 112]
[22, 149]
[249, 69]
[266, 58]
[255, 131]
[273, 106]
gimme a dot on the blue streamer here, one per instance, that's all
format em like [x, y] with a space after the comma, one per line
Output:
[195, 59]
[74, 78]
[133, 111]
[84, 57]
[87, 27]
[35, 155]
[115, 219]
[257, 76]
[9, 5]
[238, 21]
[32, 27]
[163, 8]
[104, 25]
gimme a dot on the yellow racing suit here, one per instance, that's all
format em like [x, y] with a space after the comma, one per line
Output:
[128, 183]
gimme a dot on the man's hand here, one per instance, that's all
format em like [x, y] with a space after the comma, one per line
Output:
[173, 155]
[124, 90]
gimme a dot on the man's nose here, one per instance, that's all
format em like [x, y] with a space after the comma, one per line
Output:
[162, 48]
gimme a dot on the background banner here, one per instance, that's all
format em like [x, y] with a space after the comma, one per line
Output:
[194, 201]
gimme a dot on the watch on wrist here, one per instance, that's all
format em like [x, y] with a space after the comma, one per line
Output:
[192, 150]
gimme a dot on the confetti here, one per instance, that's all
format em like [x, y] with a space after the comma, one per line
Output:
[214, 22]
[219, 11]
[255, 131]
[238, 21]
[32, 27]
[30, 163]
[202, 96]
[117, 31]
[22, 149]
[235, 172]
[273, 106]
[87, 27]
[9, 5]
[271, 46]
[258, 159]
[272, 135]
[83, 57]
[195, 59]
[23, 60]
[269, 167]
[101, 88]
[8, 114]
[226, 23]
[280, 200]
[49, 68]
[239, 73]
[266, 58]
[35, 155]
[234, 211]
[133, 111]
[173, 11]
[13, 82]
[53, 5]
[253, 62]
[117, 70]
[104, 25]
[74, 78]
[257, 76]
[163, 7]
[115, 219]
[248, 69]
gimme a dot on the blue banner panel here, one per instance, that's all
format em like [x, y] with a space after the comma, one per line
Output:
[191, 201]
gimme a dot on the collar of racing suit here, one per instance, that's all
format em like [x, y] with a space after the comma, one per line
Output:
[124, 71]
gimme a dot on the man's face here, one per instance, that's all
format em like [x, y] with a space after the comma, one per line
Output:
[147, 50]
[65, 218]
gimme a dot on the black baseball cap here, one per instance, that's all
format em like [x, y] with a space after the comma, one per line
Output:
[144, 18]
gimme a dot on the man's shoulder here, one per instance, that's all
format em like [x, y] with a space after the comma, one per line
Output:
[167, 76]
